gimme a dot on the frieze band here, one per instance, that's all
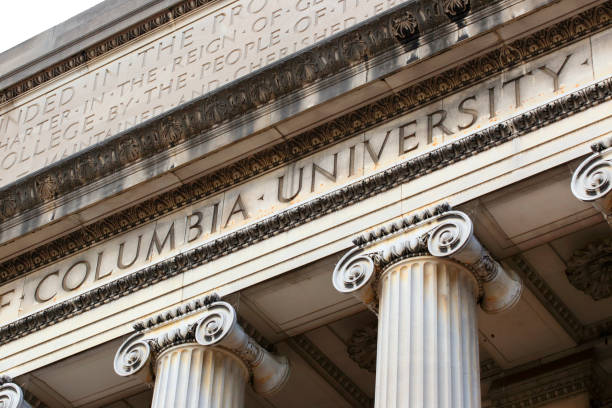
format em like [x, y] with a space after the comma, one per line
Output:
[202, 114]
[452, 8]
[311, 141]
[322, 205]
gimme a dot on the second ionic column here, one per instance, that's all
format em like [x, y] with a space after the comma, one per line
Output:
[427, 352]
[196, 376]
[424, 276]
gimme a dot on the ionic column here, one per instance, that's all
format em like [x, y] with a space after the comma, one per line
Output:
[194, 376]
[11, 395]
[427, 351]
[592, 180]
[423, 276]
[200, 357]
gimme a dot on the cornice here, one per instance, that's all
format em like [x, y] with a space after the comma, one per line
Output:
[315, 208]
[19, 198]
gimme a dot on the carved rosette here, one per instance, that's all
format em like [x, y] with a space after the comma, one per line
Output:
[592, 180]
[456, 8]
[209, 323]
[404, 26]
[362, 347]
[590, 269]
[449, 234]
[11, 396]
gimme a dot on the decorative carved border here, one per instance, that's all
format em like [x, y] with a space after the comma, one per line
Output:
[346, 126]
[328, 370]
[355, 192]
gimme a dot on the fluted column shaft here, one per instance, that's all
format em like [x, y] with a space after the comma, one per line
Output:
[427, 351]
[194, 376]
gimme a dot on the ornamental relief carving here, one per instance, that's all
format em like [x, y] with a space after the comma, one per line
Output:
[590, 269]
[456, 8]
[592, 180]
[362, 347]
[173, 131]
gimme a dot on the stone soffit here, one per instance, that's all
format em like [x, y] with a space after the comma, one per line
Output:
[409, 99]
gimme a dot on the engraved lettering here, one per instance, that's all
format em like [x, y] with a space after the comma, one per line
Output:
[65, 285]
[37, 295]
[160, 246]
[439, 124]
[413, 141]
[3, 301]
[517, 89]
[99, 276]
[376, 156]
[197, 226]
[468, 111]
[281, 196]
[555, 75]
[492, 112]
[331, 176]
[238, 207]
[120, 263]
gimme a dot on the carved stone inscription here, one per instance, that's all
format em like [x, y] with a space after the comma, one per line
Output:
[454, 116]
[202, 53]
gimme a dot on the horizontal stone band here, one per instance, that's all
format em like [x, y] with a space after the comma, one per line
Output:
[325, 204]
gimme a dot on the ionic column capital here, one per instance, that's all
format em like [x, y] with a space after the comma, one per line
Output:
[11, 395]
[592, 180]
[210, 323]
[441, 233]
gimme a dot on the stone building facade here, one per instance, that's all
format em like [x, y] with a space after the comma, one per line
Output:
[309, 203]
